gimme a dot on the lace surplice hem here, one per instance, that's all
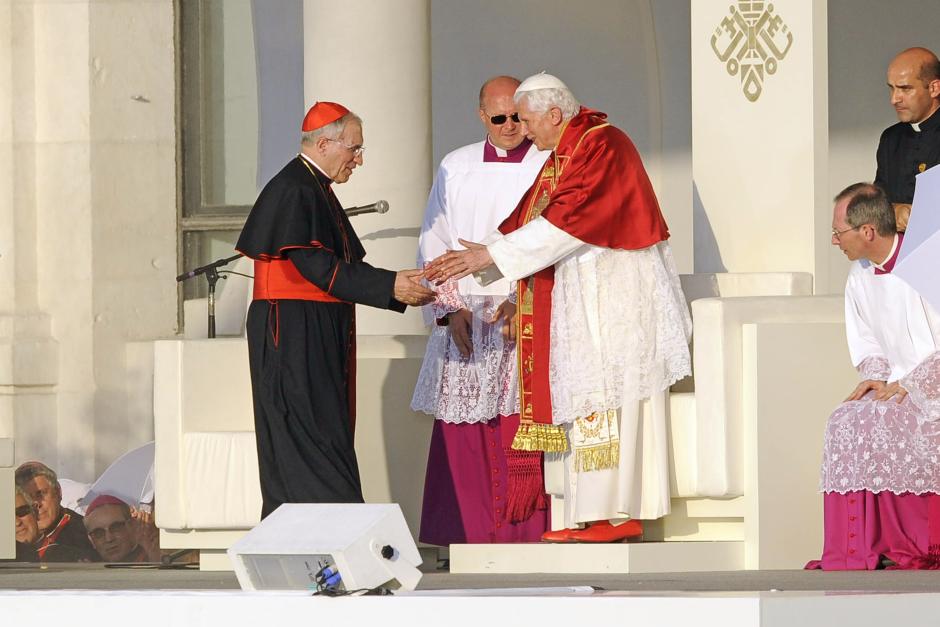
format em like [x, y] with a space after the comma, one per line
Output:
[880, 446]
[474, 389]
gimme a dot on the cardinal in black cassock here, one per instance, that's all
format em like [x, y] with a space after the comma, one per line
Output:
[301, 327]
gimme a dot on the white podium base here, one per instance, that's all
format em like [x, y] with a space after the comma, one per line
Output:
[638, 557]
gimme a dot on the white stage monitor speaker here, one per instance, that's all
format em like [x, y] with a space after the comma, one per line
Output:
[368, 544]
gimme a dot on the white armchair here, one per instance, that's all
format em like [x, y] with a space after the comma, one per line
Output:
[770, 363]
[206, 464]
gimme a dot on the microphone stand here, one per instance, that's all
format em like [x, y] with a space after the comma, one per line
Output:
[211, 270]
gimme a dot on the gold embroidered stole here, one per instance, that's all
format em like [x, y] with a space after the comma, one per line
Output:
[536, 431]
[595, 438]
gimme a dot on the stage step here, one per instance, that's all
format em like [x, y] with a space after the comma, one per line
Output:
[637, 557]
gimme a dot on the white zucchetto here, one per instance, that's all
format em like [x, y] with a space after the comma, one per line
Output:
[540, 81]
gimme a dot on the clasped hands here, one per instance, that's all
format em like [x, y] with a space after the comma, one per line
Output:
[454, 264]
[882, 389]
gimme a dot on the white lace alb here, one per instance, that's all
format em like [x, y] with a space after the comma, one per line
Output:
[620, 329]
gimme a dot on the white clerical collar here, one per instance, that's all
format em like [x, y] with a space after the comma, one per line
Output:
[314, 164]
[502, 153]
[894, 247]
[915, 126]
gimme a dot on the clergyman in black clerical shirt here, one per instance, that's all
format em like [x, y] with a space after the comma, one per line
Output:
[913, 144]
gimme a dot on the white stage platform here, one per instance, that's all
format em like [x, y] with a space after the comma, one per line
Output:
[638, 557]
[469, 608]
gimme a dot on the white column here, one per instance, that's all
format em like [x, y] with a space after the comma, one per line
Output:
[29, 366]
[374, 58]
[760, 135]
[63, 207]
[7, 222]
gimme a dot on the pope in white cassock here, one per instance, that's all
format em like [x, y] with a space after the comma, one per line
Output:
[601, 323]
[881, 454]
[475, 489]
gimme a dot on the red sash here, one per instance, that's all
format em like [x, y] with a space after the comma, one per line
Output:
[278, 279]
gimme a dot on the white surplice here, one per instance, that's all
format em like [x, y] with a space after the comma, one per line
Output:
[620, 331]
[885, 317]
[469, 200]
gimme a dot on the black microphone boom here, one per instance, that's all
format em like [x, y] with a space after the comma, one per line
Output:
[379, 206]
[209, 266]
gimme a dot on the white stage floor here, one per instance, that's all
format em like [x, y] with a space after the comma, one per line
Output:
[229, 608]
[746, 598]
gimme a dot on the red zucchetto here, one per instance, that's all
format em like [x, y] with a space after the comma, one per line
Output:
[104, 499]
[321, 114]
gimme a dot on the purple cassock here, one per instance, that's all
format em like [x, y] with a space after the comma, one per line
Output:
[467, 486]
[477, 489]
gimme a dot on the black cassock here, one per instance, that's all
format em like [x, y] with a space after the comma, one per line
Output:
[302, 352]
[903, 153]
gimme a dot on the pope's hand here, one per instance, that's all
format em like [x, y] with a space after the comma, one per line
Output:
[456, 264]
[408, 288]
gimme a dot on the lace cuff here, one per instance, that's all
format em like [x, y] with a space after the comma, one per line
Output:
[513, 296]
[875, 368]
[448, 300]
[923, 387]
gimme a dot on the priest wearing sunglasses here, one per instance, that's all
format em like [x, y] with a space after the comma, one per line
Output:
[601, 324]
[477, 489]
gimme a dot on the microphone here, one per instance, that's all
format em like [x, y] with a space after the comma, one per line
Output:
[379, 206]
[207, 268]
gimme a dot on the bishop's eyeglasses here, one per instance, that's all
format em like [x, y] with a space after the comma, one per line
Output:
[356, 150]
[837, 234]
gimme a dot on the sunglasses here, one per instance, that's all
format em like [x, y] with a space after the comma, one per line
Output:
[113, 528]
[23, 510]
[500, 119]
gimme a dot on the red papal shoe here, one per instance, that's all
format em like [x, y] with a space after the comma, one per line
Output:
[603, 531]
[558, 535]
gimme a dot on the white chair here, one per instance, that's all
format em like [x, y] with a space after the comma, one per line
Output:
[205, 466]
[770, 364]
[745, 432]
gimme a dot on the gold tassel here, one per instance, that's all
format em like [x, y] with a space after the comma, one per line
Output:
[600, 457]
[538, 437]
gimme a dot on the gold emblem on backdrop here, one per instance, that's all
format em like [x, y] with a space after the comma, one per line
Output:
[750, 42]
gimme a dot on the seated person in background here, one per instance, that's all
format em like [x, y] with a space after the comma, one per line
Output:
[26, 528]
[117, 535]
[880, 474]
[58, 525]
